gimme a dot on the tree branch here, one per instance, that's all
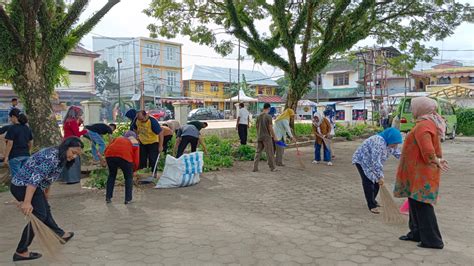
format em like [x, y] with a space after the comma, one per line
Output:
[30, 12]
[87, 26]
[72, 16]
[11, 29]
[257, 46]
[308, 33]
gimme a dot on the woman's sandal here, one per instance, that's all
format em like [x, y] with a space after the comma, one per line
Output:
[375, 211]
[66, 239]
[31, 256]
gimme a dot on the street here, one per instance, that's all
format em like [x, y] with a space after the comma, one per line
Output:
[316, 216]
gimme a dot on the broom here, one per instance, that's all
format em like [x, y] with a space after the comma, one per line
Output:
[49, 241]
[298, 153]
[391, 213]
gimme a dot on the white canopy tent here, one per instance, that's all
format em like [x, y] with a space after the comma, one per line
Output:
[242, 98]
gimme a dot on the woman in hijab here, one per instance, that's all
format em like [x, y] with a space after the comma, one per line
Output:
[419, 171]
[71, 123]
[321, 129]
[282, 129]
[369, 159]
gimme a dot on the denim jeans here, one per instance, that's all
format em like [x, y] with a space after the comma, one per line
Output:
[317, 153]
[96, 139]
[16, 164]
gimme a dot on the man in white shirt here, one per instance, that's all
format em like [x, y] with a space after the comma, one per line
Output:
[243, 123]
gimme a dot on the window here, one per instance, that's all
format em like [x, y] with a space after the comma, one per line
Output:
[226, 88]
[471, 79]
[170, 53]
[151, 50]
[444, 80]
[260, 90]
[269, 91]
[79, 73]
[341, 79]
[171, 79]
[214, 87]
[407, 107]
[199, 87]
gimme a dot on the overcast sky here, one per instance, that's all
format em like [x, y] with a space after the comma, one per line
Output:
[126, 19]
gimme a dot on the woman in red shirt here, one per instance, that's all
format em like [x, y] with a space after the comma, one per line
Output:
[71, 124]
[123, 153]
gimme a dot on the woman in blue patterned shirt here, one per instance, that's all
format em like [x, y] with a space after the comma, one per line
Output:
[31, 188]
[369, 159]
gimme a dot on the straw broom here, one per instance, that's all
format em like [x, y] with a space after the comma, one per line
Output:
[49, 241]
[391, 213]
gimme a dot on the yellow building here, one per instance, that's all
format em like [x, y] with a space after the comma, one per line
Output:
[209, 86]
[445, 76]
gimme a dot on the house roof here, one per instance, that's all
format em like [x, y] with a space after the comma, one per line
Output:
[449, 64]
[81, 51]
[340, 66]
[467, 71]
[270, 99]
[222, 74]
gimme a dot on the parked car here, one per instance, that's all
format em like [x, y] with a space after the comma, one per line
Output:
[205, 114]
[160, 114]
[445, 109]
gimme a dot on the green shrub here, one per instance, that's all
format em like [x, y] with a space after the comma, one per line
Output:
[465, 119]
[303, 129]
[349, 132]
[4, 188]
[244, 153]
[98, 179]
[121, 129]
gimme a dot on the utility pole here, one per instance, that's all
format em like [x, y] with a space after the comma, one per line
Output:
[119, 61]
[317, 88]
[238, 73]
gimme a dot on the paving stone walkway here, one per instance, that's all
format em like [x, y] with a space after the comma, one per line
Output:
[296, 216]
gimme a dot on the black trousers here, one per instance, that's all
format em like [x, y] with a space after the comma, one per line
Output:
[371, 189]
[184, 143]
[243, 132]
[423, 224]
[166, 143]
[41, 209]
[148, 155]
[115, 163]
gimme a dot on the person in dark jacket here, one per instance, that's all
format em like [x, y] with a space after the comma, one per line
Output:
[19, 141]
[95, 133]
[190, 134]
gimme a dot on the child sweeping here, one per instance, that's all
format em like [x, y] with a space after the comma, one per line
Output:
[369, 159]
[321, 131]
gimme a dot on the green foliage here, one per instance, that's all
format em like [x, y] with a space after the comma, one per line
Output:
[98, 179]
[244, 153]
[4, 188]
[121, 129]
[320, 29]
[303, 129]
[465, 119]
[104, 76]
[358, 130]
[248, 90]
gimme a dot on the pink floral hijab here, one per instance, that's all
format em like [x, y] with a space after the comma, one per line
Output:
[424, 108]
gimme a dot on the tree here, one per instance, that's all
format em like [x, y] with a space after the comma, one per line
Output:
[310, 33]
[103, 77]
[248, 90]
[36, 36]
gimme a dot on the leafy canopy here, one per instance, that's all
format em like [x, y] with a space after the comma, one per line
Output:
[302, 36]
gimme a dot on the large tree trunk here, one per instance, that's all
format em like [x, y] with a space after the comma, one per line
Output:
[33, 91]
[296, 90]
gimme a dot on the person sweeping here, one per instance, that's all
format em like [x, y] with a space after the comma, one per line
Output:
[419, 172]
[282, 129]
[31, 187]
[369, 159]
[321, 131]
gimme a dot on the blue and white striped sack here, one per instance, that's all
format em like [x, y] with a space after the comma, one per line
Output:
[181, 172]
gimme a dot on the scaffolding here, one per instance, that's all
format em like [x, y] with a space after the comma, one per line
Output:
[374, 79]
